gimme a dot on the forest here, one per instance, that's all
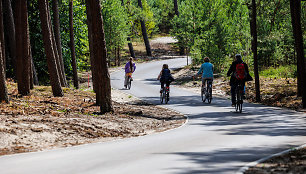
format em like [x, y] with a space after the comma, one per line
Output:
[48, 42]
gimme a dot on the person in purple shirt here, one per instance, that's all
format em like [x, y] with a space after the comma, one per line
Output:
[130, 67]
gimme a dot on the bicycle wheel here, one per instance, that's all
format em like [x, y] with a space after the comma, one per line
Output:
[209, 96]
[203, 94]
[166, 97]
[238, 105]
[162, 97]
[129, 84]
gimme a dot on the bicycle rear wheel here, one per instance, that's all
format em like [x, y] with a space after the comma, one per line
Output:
[162, 97]
[209, 94]
[129, 84]
[166, 97]
[239, 102]
[203, 94]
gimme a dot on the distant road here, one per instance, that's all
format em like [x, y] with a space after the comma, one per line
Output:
[215, 139]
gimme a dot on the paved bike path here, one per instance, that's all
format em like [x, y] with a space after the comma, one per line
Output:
[215, 139]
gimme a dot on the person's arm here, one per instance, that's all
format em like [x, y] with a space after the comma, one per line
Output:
[229, 72]
[134, 66]
[126, 67]
[159, 75]
[246, 68]
[200, 71]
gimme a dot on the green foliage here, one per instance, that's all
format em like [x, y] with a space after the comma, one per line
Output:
[163, 13]
[216, 29]
[80, 35]
[135, 14]
[115, 25]
[289, 71]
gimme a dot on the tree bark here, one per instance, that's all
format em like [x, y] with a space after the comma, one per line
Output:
[91, 50]
[49, 48]
[131, 47]
[144, 33]
[254, 49]
[295, 9]
[176, 7]
[72, 47]
[100, 54]
[3, 88]
[2, 39]
[9, 32]
[57, 35]
[22, 45]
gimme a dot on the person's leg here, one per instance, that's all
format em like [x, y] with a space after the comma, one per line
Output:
[203, 82]
[233, 92]
[125, 80]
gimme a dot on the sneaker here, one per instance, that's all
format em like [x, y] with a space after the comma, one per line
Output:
[125, 86]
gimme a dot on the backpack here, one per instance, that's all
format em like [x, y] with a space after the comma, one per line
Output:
[240, 73]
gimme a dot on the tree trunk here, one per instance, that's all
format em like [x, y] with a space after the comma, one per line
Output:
[131, 47]
[22, 45]
[295, 9]
[176, 7]
[49, 48]
[57, 35]
[2, 40]
[72, 48]
[181, 46]
[99, 47]
[144, 33]
[91, 50]
[254, 49]
[8, 20]
[3, 88]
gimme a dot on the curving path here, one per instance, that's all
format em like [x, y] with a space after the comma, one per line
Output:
[215, 139]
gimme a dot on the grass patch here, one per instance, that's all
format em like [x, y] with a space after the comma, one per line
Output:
[289, 71]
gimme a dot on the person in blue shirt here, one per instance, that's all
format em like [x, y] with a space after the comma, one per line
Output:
[206, 71]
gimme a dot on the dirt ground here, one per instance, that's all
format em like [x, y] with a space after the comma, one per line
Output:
[40, 121]
[275, 92]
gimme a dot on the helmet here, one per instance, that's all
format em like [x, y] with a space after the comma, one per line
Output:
[238, 57]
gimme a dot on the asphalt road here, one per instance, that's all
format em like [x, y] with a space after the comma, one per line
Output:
[214, 140]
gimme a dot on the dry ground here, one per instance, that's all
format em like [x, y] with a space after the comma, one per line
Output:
[40, 121]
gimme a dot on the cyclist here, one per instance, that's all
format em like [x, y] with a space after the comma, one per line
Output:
[206, 70]
[130, 67]
[165, 77]
[238, 72]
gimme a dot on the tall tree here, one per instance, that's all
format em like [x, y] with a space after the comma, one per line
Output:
[295, 9]
[22, 47]
[103, 93]
[3, 88]
[254, 49]
[72, 47]
[131, 49]
[56, 26]
[49, 47]
[144, 33]
[8, 20]
[176, 7]
[91, 50]
[2, 38]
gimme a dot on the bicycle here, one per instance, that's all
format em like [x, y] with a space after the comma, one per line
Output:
[129, 81]
[164, 95]
[206, 93]
[239, 97]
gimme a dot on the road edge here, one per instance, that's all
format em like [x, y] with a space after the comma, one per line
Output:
[254, 163]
